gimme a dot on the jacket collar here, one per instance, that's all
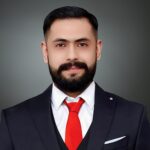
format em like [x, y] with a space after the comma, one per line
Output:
[41, 113]
[102, 119]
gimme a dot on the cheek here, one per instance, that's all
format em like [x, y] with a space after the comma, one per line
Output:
[89, 58]
[54, 60]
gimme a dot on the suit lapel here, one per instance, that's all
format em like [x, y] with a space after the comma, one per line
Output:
[41, 113]
[102, 119]
[103, 114]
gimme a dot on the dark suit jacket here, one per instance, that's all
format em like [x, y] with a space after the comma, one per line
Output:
[117, 125]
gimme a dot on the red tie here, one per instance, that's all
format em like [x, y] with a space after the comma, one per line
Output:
[73, 128]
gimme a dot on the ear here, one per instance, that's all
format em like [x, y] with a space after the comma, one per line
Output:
[44, 51]
[99, 49]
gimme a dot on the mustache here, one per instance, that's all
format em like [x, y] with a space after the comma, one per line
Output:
[67, 66]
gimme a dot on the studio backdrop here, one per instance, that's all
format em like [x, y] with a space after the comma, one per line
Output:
[124, 28]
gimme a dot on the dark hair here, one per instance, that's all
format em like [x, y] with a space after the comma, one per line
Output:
[69, 12]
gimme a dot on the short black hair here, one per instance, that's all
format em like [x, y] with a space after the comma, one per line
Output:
[69, 12]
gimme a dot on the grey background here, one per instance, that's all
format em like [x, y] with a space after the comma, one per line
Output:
[124, 27]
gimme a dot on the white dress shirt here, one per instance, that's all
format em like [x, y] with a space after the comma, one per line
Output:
[61, 112]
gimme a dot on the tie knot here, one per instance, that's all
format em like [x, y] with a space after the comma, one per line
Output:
[74, 106]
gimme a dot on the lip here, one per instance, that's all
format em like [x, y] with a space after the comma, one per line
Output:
[74, 69]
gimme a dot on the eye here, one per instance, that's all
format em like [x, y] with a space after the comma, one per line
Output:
[82, 44]
[60, 45]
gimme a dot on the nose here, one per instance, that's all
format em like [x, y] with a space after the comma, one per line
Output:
[72, 53]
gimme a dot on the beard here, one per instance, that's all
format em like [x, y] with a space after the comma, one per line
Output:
[73, 84]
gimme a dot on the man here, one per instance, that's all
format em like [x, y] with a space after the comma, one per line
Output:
[74, 112]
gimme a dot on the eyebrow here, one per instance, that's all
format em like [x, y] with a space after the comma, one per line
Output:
[82, 40]
[65, 40]
[60, 40]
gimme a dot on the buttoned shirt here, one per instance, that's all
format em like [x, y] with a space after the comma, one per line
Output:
[61, 112]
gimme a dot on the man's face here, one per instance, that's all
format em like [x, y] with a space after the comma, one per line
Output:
[71, 50]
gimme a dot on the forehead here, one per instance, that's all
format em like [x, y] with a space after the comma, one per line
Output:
[71, 29]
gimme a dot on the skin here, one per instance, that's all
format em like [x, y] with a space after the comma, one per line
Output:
[71, 40]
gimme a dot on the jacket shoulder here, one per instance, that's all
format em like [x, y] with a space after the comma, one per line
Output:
[124, 103]
[34, 100]
[126, 108]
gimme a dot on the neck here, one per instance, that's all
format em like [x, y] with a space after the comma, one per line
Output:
[73, 94]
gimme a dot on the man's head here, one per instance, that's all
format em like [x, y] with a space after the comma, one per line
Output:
[69, 12]
[71, 47]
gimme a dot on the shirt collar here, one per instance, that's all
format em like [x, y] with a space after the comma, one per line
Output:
[88, 95]
[57, 96]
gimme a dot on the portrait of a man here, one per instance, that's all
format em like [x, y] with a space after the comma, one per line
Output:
[74, 112]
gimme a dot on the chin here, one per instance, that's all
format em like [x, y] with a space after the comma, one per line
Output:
[72, 77]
